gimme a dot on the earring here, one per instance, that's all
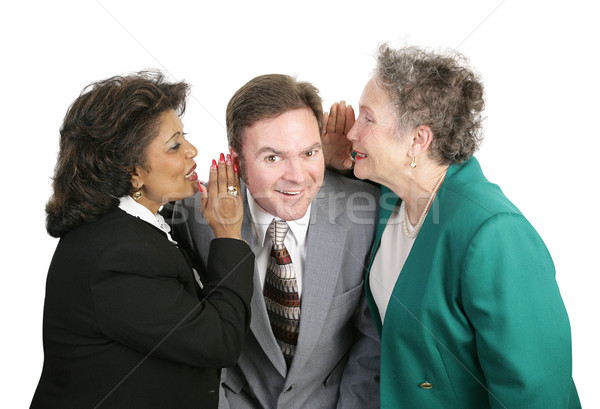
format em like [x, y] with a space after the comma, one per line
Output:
[137, 195]
[413, 163]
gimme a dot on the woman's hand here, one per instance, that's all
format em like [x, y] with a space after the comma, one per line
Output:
[336, 146]
[222, 205]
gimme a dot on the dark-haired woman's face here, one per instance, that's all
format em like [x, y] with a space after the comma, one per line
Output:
[169, 172]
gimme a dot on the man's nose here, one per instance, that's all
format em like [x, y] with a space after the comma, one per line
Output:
[295, 171]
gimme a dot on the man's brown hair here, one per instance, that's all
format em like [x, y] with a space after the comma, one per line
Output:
[265, 97]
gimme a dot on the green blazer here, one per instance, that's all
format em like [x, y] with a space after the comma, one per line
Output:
[475, 319]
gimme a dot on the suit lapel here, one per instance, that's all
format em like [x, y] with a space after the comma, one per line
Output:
[261, 328]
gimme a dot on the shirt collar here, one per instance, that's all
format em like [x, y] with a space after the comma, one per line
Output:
[130, 206]
[261, 221]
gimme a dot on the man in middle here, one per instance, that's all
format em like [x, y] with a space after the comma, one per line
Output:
[312, 342]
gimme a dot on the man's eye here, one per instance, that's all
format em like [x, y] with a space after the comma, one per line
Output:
[310, 154]
[271, 158]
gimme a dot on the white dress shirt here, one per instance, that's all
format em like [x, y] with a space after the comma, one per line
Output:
[295, 240]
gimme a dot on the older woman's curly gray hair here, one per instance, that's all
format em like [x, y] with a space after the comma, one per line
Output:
[437, 90]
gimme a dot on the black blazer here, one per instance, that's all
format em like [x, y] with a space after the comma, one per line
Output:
[127, 326]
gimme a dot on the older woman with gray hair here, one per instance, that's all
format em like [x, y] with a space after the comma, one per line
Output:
[460, 285]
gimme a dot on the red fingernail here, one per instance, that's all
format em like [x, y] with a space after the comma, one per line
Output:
[222, 158]
[199, 186]
[235, 168]
[214, 164]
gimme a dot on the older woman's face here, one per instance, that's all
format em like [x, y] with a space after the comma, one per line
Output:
[169, 172]
[374, 137]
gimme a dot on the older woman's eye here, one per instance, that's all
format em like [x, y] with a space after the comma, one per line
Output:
[365, 117]
[175, 147]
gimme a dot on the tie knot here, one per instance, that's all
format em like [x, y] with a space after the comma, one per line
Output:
[277, 231]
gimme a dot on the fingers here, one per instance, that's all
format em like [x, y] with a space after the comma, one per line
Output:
[203, 193]
[200, 187]
[223, 210]
[325, 120]
[349, 119]
[222, 176]
[340, 121]
[213, 180]
[212, 187]
[332, 117]
[230, 174]
[203, 201]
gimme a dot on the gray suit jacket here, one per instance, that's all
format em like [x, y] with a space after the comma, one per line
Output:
[336, 363]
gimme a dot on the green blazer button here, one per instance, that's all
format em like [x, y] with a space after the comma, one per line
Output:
[426, 385]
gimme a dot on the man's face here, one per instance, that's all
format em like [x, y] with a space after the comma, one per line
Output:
[283, 162]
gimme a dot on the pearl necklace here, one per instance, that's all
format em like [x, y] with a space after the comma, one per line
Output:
[410, 230]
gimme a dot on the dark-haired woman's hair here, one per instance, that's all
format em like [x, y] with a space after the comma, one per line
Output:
[102, 139]
[438, 90]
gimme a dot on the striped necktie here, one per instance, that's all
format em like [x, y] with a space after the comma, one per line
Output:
[281, 292]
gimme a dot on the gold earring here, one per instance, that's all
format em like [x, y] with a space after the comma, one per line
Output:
[413, 163]
[137, 195]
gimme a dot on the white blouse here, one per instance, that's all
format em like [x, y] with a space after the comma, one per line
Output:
[129, 205]
[393, 251]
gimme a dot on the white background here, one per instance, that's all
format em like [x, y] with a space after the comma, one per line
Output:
[538, 60]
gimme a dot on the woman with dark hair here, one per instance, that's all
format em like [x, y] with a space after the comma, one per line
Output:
[130, 320]
[461, 287]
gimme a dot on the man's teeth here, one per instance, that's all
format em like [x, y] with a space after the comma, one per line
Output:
[289, 193]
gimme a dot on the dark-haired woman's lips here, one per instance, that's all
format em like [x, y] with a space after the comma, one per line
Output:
[192, 176]
[359, 155]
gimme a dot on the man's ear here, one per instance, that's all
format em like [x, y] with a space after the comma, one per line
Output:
[421, 139]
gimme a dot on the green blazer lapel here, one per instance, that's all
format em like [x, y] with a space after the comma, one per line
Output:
[419, 258]
[387, 202]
